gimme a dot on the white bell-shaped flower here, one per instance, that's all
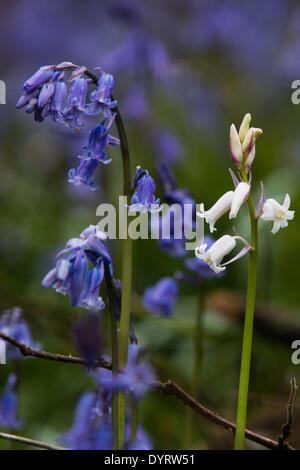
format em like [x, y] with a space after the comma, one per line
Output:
[214, 255]
[240, 195]
[217, 210]
[277, 213]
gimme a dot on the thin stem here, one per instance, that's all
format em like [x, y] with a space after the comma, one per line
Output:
[126, 278]
[114, 352]
[248, 330]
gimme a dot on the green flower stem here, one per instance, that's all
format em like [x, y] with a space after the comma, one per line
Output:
[114, 352]
[126, 279]
[248, 329]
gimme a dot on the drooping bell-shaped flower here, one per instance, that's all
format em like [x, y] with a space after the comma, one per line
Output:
[222, 206]
[240, 195]
[144, 199]
[279, 214]
[98, 141]
[101, 98]
[161, 297]
[9, 405]
[84, 174]
[198, 266]
[90, 296]
[216, 252]
[75, 107]
[57, 100]
[40, 77]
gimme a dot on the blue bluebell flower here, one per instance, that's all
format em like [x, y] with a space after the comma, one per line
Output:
[144, 199]
[88, 432]
[13, 324]
[90, 296]
[76, 107]
[84, 174]
[9, 405]
[41, 76]
[57, 99]
[70, 275]
[101, 98]
[98, 141]
[168, 146]
[161, 297]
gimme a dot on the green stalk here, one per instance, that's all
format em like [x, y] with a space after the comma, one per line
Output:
[126, 280]
[248, 329]
[114, 353]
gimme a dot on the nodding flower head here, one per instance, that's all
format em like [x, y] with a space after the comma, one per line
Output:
[143, 199]
[84, 174]
[242, 143]
[98, 141]
[160, 298]
[70, 275]
[101, 98]
[216, 252]
[41, 76]
[279, 214]
[222, 206]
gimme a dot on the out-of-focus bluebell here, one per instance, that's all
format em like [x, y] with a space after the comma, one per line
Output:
[135, 104]
[142, 440]
[13, 324]
[9, 405]
[144, 199]
[88, 432]
[168, 146]
[88, 338]
[160, 298]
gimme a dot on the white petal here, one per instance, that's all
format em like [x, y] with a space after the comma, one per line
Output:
[287, 201]
[240, 195]
[244, 127]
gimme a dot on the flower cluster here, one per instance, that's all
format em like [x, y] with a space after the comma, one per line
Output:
[46, 94]
[242, 147]
[71, 274]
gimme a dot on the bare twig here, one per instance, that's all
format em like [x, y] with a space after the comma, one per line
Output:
[287, 427]
[31, 442]
[168, 388]
[30, 352]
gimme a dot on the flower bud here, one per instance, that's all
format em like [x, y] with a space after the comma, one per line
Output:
[244, 127]
[235, 146]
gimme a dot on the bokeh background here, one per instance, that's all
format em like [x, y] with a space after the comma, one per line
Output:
[184, 71]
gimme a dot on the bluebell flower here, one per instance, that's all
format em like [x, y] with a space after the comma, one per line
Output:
[90, 296]
[57, 100]
[161, 297]
[70, 275]
[76, 106]
[9, 405]
[101, 98]
[135, 104]
[41, 76]
[88, 432]
[84, 174]
[45, 95]
[13, 324]
[142, 440]
[168, 146]
[144, 199]
[98, 141]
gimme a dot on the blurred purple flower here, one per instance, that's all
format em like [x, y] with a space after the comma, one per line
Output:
[9, 405]
[161, 297]
[168, 146]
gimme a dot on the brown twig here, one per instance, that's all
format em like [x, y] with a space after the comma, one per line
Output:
[31, 442]
[30, 352]
[168, 388]
[287, 427]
